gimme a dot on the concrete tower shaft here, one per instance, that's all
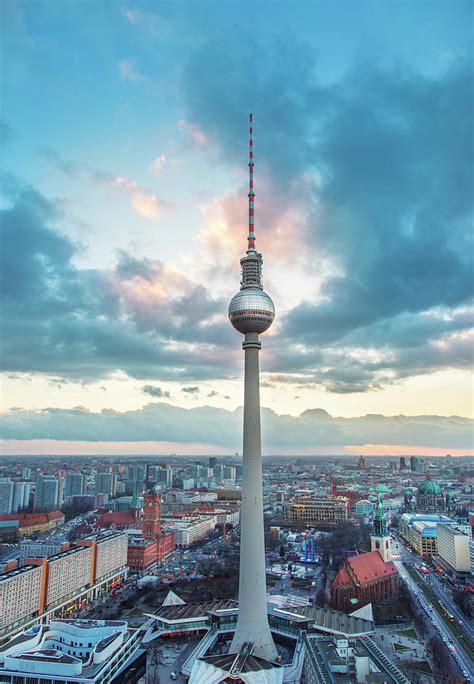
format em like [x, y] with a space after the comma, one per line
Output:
[251, 312]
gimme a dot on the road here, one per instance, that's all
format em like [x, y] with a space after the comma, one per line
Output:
[453, 635]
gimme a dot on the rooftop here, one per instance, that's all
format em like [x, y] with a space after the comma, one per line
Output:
[187, 611]
[336, 622]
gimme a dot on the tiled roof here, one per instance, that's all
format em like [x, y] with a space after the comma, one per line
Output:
[368, 567]
[117, 518]
[342, 577]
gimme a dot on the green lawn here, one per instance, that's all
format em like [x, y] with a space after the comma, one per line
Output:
[419, 666]
[400, 647]
[407, 633]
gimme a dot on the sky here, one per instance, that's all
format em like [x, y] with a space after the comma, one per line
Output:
[123, 215]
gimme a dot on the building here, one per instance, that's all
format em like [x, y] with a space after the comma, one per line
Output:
[29, 523]
[188, 530]
[9, 531]
[369, 577]
[21, 496]
[340, 659]
[74, 485]
[83, 651]
[429, 497]
[40, 549]
[322, 511]
[453, 548]
[47, 493]
[6, 496]
[60, 584]
[419, 530]
[105, 483]
[149, 549]
[364, 509]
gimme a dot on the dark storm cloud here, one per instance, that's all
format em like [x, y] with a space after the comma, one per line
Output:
[391, 152]
[160, 421]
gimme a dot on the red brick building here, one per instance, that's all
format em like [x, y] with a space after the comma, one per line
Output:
[366, 578]
[153, 545]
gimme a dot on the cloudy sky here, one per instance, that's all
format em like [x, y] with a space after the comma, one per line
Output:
[124, 140]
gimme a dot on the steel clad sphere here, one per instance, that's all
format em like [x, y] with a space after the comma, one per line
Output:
[251, 310]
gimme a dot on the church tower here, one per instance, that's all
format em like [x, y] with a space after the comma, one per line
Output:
[379, 538]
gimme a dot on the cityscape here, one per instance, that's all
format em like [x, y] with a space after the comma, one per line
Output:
[236, 281]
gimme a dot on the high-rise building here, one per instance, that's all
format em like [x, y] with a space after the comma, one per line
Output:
[106, 483]
[21, 496]
[165, 476]
[229, 473]
[251, 312]
[47, 493]
[7, 488]
[212, 461]
[74, 484]
[403, 463]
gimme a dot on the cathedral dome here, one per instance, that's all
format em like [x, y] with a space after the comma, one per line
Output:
[429, 487]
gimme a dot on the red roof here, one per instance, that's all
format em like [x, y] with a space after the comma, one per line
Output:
[117, 518]
[342, 577]
[368, 567]
[27, 519]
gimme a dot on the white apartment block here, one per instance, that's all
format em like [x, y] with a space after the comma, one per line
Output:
[111, 554]
[453, 547]
[69, 574]
[20, 595]
[188, 532]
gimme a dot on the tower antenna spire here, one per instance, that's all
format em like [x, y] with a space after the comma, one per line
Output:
[251, 237]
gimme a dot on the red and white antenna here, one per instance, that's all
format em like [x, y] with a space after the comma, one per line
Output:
[251, 237]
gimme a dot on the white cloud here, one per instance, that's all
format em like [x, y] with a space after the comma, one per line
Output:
[129, 71]
[145, 203]
[193, 130]
[158, 162]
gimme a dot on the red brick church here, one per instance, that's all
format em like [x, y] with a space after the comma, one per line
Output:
[368, 577]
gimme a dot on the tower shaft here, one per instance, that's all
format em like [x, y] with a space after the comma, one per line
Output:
[252, 622]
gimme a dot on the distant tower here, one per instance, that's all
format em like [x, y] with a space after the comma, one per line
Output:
[135, 503]
[151, 515]
[251, 312]
[380, 539]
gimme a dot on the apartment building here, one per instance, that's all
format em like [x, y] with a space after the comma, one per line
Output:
[58, 585]
[20, 597]
[187, 531]
[453, 548]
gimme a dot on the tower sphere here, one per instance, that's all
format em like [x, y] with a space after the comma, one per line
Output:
[251, 310]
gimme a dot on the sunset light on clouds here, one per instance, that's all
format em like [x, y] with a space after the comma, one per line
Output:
[124, 216]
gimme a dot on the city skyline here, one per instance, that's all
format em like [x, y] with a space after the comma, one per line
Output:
[124, 205]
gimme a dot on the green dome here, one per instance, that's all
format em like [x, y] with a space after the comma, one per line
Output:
[383, 489]
[429, 487]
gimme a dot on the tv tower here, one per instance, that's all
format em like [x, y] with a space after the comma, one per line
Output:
[251, 312]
